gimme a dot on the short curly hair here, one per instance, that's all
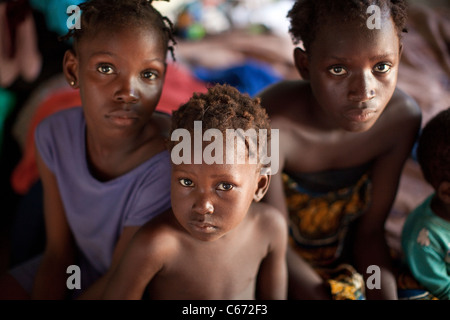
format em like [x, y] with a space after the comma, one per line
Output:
[433, 151]
[307, 16]
[112, 14]
[222, 107]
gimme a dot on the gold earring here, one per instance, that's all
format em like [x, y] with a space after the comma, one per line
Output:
[72, 83]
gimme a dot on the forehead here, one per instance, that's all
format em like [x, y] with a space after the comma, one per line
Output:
[230, 172]
[137, 40]
[218, 151]
[355, 38]
[135, 28]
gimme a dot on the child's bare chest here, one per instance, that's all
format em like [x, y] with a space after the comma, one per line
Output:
[309, 152]
[218, 272]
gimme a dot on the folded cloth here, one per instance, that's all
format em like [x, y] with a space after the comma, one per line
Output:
[319, 223]
[344, 282]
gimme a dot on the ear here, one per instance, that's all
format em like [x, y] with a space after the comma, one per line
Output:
[301, 63]
[70, 68]
[400, 50]
[263, 185]
[443, 191]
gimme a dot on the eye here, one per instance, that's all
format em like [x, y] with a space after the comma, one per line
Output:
[225, 186]
[186, 182]
[382, 68]
[337, 71]
[150, 75]
[105, 69]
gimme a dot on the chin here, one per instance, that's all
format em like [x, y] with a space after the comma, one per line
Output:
[359, 126]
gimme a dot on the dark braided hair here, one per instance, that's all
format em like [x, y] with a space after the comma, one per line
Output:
[114, 14]
[307, 16]
[433, 151]
[222, 107]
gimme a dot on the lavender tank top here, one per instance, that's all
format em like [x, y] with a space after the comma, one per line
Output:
[98, 211]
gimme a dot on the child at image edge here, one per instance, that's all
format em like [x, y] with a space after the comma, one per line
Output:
[346, 131]
[218, 241]
[426, 232]
[104, 166]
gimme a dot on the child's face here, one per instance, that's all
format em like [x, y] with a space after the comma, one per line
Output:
[211, 200]
[353, 72]
[120, 75]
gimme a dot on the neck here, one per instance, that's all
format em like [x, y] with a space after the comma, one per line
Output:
[113, 155]
[440, 208]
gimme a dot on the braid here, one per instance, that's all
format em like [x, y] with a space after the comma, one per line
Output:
[98, 14]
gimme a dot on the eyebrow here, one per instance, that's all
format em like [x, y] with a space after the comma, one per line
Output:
[101, 53]
[382, 56]
[225, 176]
[107, 53]
[373, 58]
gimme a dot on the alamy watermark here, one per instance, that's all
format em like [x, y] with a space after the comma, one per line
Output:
[74, 280]
[372, 282]
[239, 146]
[74, 20]
[374, 21]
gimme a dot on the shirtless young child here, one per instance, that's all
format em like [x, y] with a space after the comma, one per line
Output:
[346, 131]
[218, 242]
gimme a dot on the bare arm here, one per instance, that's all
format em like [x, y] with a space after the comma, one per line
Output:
[304, 282]
[136, 268]
[50, 282]
[96, 290]
[272, 277]
[370, 247]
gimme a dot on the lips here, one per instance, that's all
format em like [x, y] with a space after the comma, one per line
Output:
[122, 118]
[360, 115]
[204, 227]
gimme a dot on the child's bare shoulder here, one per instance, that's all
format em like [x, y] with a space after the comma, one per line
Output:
[404, 106]
[402, 115]
[270, 219]
[281, 98]
[161, 234]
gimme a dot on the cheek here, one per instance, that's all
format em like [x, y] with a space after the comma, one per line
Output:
[237, 211]
[325, 88]
[93, 93]
[390, 84]
[179, 196]
[330, 95]
[385, 90]
[152, 94]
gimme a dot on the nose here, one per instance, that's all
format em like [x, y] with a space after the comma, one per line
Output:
[203, 204]
[127, 90]
[361, 88]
